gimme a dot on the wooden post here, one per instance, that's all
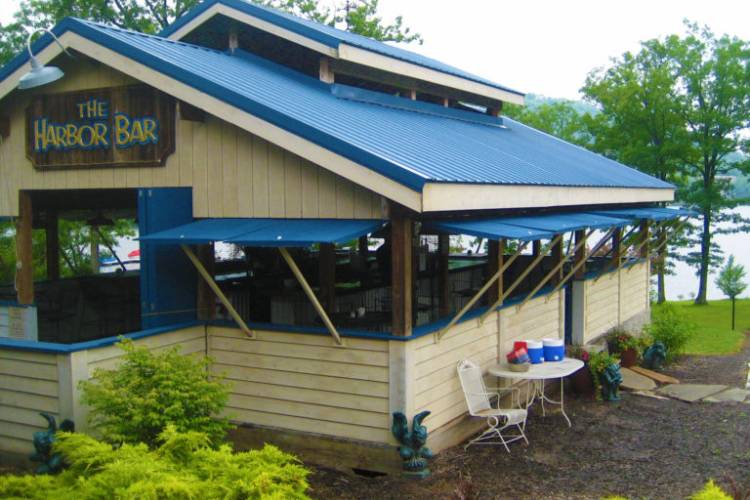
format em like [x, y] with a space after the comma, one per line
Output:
[580, 255]
[411, 94]
[557, 260]
[326, 73]
[401, 274]
[495, 257]
[644, 237]
[24, 259]
[205, 298]
[52, 240]
[327, 276]
[536, 248]
[443, 274]
[617, 246]
[94, 237]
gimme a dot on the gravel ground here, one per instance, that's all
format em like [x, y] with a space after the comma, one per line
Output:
[639, 447]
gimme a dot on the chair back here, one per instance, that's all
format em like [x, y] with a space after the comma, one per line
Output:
[473, 386]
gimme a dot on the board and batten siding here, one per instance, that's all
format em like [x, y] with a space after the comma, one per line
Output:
[233, 173]
[618, 298]
[436, 384]
[304, 382]
[29, 384]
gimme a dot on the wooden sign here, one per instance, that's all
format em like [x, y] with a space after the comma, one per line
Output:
[129, 126]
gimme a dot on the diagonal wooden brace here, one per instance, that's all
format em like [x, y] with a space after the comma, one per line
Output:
[215, 288]
[579, 264]
[310, 294]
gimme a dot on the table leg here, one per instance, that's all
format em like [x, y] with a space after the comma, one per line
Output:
[542, 396]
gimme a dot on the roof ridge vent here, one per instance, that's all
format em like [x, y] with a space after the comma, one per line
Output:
[389, 101]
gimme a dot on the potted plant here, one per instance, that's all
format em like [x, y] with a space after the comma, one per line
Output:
[601, 365]
[626, 346]
[582, 382]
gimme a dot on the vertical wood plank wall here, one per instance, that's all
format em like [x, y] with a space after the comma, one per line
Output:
[303, 382]
[437, 387]
[617, 298]
[31, 382]
[233, 173]
[28, 385]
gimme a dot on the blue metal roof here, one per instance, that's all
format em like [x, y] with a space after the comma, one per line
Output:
[267, 232]
[329, 36]
[411, 146]
[562, 223]
[657, 213]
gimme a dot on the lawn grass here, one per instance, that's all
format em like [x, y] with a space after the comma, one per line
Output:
[714, 321]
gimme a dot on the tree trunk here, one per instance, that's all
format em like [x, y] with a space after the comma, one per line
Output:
[733, 301]
[661, 290]
[705, 259]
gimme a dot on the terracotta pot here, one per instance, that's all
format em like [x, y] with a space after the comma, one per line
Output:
[628, 358]
[582, 382]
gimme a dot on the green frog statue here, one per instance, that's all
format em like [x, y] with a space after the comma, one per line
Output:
[412, 450]
[611, 378]
[51, 463]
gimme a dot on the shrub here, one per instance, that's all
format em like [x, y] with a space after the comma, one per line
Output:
[670, 328]
[135, 402]
[711, 492]
[597, 362]
[182, 466]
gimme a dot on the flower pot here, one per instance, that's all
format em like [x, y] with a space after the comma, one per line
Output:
[582, 382]
[628, 358]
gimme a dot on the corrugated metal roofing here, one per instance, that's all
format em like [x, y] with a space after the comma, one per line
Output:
[486, 228]
[267, 232]
[330, 37]
[657, 214]
[409, 146]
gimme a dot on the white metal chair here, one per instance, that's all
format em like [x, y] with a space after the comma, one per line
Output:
[479, 401]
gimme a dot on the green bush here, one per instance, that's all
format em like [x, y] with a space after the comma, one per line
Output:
[711, 492]
[670, 328]
[135, 402]
[183, 466]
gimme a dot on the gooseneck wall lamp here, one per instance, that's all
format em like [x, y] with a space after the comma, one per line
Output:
[40, 74]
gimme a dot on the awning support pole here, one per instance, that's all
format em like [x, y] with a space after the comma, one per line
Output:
[557, 268]
[481, 291]
[310, 294]
[215, 288]
[581, 262]
[523, 275]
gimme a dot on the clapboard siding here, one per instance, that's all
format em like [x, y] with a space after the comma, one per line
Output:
[233, 173]
[542, 317]
[28, 385]
[634, 298]
[304, 382]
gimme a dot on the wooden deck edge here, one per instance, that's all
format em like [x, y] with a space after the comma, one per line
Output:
[340, 454]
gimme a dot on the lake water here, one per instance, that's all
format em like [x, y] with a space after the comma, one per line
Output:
[684, 284]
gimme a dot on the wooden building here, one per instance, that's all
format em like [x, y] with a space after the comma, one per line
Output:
[337, 169]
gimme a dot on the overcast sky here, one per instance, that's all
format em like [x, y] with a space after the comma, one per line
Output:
[544, 46]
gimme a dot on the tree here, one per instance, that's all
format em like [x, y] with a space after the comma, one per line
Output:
[730, 282]
[714, 85]
[640, 122]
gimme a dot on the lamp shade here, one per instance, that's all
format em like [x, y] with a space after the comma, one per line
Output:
[39, 75]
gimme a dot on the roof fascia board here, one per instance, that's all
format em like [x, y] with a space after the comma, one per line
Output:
[352, 54]
[392, 65]
[221, 9]
[438, 197]
[338, 164]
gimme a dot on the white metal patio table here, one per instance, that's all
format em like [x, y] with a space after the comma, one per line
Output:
[537, 374]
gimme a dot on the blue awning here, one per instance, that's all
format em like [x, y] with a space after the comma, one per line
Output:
[657, 214]
[527, 227]
[487, 228]
[267, 232]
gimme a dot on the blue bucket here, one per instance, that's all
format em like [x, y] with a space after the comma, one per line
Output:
[536, 351]
[554, 349]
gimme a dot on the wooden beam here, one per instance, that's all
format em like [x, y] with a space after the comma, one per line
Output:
[401, 274]
[495, 256]
[215, 288]
[536, 249]
[581, 263]
[580, 257]
[530, 267]
[559, 257]
[327, 276]
[205, 297]
[24, 256]
[310, 294]
[94, 253]
[52, 245]
[645, 235]
[443, 274]
[326, 72]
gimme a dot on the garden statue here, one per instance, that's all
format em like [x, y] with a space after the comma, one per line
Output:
[611, 378]
[655, 356]
[50, 462]
[412, 450]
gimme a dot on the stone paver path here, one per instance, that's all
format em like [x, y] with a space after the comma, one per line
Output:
[636, 382]
[708, 393]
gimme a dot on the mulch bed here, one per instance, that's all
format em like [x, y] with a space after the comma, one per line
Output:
[639, 448]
